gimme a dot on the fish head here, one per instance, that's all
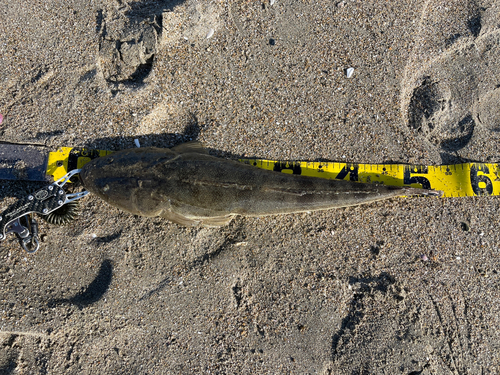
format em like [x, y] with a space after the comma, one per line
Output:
[117, 191]
[123, 178]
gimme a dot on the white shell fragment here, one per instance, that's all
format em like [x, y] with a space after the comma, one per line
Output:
[349, 72]
[271, 2]
[136, 141]
[210, 33]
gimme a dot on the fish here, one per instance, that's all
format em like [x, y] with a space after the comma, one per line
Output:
[187, 186]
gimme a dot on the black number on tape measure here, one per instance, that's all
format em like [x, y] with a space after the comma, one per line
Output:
[281, 165]
[76, 153]
[481, 184]
[348, 169]
[408, 179]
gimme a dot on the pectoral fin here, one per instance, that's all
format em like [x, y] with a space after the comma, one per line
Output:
[206, 222]
[216, 221]
[179, 219]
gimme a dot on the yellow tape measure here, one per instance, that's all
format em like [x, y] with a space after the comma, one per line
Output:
[66, 159]
[456, 180]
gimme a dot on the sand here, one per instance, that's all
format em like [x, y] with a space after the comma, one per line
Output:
[406, 286]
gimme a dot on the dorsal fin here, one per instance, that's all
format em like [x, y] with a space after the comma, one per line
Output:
[193, 146]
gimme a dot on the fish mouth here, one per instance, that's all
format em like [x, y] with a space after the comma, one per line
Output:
[88, 177]
[93, 183]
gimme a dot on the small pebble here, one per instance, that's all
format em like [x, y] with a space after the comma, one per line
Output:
[271, 2]
[136, 141]
[1, 118]
[210, 33]
[349, 72]
[424, 258]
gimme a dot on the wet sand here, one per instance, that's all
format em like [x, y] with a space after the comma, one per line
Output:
[406, 286]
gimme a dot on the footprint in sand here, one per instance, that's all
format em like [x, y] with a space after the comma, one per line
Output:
[133, 32]
[451, 87]
[128, 41]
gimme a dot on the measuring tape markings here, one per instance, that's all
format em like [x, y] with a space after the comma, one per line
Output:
[455, 180]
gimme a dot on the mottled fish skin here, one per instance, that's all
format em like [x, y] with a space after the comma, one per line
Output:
[187, 186]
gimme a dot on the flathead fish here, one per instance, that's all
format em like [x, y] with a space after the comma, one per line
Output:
[187, 186]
